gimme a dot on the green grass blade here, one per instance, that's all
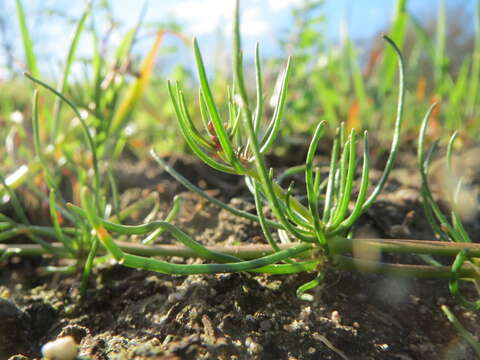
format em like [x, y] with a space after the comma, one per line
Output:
[87, 270]
[262, 220]
[427, 198]
[17, 206]
[312, 194]
[213, 112]
[136, 89]
[182, 180]
[397, 128]
[439, 60]
[265, 180]
[239, 80]
[63, 83]
[134, 261]
[190, 140]
[255, 265]
[274, 126]
[397, 34]
[258, 81]
[329, 196]
[37, 143]
[469, 338]
[177, 203]
[453, 284]
[56, 222]
[346, 191]
[86, 131]
[193, 132]
[357, 210]
[27, 41]
[292, 214]
[301, 291]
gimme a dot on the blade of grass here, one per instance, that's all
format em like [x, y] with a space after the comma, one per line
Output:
[63, 82]
[27, 41]
[397, 127]
[312, 194]
[86, 131]
[214, 114]
[469, 338]
[137, 88]
[439, 59]
[397, 34]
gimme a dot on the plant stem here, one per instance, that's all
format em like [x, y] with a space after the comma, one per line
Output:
[469, 338]
[339, 245]
[403, 270]
[246, 252]
[282, 194]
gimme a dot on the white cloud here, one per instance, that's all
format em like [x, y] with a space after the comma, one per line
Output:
[254, 22]
[282, 4]
[203, 17]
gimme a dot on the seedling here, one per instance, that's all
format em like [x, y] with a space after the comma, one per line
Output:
[237, 145]
[311, 237]
[449, 230]
[445, 229]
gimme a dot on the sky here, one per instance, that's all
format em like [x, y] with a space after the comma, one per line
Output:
[262, 20]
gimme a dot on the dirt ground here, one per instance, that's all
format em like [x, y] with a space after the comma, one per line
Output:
[132, 314]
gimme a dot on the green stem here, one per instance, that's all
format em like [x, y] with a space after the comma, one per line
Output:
[469, 338]
[403, 270]
[340, 245]
[282, 195]
[245, 252]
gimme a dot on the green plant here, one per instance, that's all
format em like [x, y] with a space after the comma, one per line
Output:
[448, 230]
[311, 237]
[59, 163]
[237, 145]
[102, 94]
[469, 338]
[336, 85]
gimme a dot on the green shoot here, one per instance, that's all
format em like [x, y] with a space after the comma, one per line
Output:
[444, 228]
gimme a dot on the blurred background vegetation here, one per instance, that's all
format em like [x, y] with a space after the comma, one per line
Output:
[115, 74]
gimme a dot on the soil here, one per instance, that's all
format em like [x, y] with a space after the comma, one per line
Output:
[133, 314]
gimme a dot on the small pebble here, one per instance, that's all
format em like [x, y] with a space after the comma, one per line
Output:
[383, 347]
[175, 297]
[63, 348]
[335, 317]
[253, 347]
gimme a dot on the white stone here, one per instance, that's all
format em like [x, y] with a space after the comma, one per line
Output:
[63, 348]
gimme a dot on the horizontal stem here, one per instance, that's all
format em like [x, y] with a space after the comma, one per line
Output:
[340, 245]
[246, 252]
[404, 270]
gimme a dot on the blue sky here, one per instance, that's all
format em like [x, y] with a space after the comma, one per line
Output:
[262, 20]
